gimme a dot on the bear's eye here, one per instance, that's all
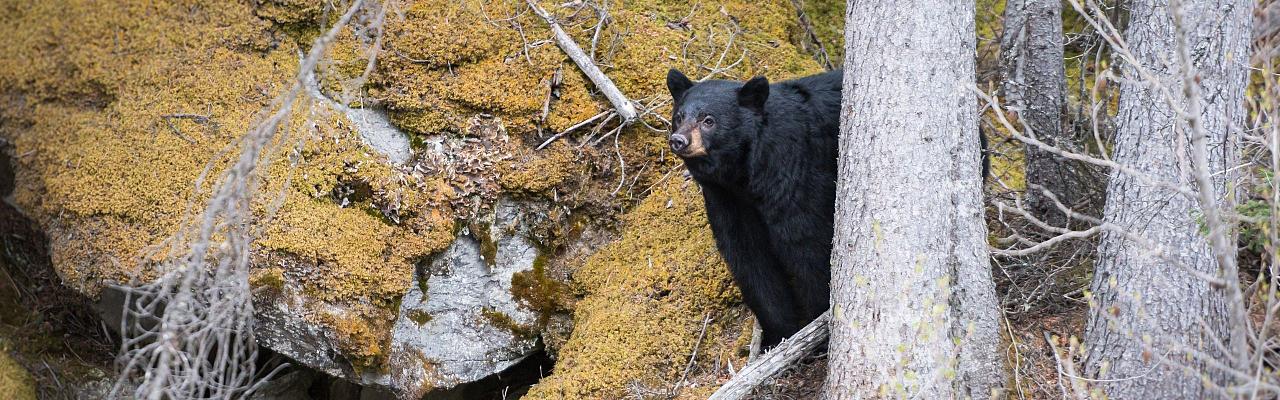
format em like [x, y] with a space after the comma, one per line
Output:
[707, 121]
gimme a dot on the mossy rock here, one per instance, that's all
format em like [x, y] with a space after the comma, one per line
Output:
[100, 101]
[647, 296]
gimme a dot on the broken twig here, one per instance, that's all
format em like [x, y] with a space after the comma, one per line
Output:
[197, 118]
[680, 384]
[553, 92]
[621, 103]
[575, 127]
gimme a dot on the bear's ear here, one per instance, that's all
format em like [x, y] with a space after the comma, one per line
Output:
[754, 93]
[677, 83]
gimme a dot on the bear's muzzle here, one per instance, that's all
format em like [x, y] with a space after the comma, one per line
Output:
[687, 143]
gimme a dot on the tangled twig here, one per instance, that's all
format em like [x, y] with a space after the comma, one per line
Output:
[190, 333]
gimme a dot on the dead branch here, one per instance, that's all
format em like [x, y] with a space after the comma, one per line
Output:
[553, 92]
[575, 127]
[620, 102]
[197, 118]
[602, 10]
[688, 367]
[776, 360]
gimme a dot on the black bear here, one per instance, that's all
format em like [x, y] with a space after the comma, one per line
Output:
[765, 157]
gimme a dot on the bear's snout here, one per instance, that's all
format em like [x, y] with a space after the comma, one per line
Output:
[687, 143]
[678, 142]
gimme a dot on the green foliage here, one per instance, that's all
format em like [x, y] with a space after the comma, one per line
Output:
[1255, 228]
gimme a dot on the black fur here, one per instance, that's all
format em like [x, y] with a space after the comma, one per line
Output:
[768, 179]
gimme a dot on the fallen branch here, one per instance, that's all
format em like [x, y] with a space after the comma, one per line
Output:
[575, 127]
[688, 367]
[621, 104]
[197, 118]
[777, 359]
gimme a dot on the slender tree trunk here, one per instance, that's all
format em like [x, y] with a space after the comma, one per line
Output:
[1148, 313]
[914, 307]
[1012, 45]
[1042, 105]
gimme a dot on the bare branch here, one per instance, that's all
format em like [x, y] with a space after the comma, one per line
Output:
[621, 103]
[575, 127]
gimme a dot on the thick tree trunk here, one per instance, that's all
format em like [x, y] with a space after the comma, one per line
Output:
[914, 307]
[1042, 105]
[1148, 313]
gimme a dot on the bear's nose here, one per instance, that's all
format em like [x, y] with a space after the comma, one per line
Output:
[678, 142]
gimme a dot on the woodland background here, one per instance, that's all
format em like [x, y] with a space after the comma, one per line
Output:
[453, 142]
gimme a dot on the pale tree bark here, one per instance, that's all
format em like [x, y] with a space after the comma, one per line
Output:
[1041, 106]
[914, 308]
[1012, 43]
[1153, 322]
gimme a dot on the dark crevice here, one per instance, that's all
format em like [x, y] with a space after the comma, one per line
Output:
[48, 328]
[513, 383]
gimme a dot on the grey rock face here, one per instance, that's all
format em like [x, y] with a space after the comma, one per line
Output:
[376, 130]
[459, 323]
[374, 126]
[281, 327]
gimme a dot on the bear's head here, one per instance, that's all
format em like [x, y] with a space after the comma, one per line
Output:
[715, 121]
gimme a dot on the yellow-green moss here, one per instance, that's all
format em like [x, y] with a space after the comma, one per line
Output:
[488, 247]
[363, 345]
[15, 382]
[501, 320]
[289, 12]
[1009, 167]
[419, 317]
[449, 60]
[534, 289]
[113, 169]
[542, 171]
[272, 278]
[646, 296]
[106, 170]
[827, 18]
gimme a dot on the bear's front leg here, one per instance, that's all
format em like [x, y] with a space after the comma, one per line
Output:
[743, 241]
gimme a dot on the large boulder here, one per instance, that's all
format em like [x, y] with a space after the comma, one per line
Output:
[460, 322]
[413, 238]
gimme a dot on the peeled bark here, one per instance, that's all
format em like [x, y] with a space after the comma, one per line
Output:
[1148, 313]
[914, 307]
